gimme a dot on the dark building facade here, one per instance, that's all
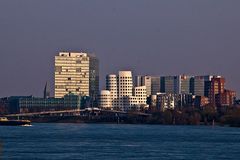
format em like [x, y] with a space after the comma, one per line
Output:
[10, 105]
[27, 104]
[217, 87]
[33, 104]
[218, 95]
[227, 98]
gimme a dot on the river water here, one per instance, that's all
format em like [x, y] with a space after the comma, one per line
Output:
[113, 141]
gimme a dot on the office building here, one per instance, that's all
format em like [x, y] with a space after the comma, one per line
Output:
[200, 85]
[76, 73]
[185, 100]
[26, 104]
[175, 84]
[34, 104]
[216, 88]
[144, 81]
[152, 83]
[227, 98]
[170, 84]
[155, 85]
[123, 95]
[184, 84]
[166, 101]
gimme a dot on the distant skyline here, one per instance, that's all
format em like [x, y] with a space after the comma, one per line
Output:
[157, 37]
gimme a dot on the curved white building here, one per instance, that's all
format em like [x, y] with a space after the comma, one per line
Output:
[111, 85]
[125, 88]
[105, 99]
[122, 93]
[125, 83]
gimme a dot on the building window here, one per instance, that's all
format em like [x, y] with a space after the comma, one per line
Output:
[58, 68]
[78, 70]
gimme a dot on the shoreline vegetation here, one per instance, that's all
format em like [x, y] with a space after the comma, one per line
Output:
[208, 115]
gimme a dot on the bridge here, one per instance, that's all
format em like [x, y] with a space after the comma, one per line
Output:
[74, 112]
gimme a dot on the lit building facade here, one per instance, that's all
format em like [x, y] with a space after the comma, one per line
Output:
[144, 81]
[125, 88]
[227, 98]
[140, 93]
[112, 86]
[76, 73]
[216, 88]
[122, 93]
[105, 99]
[152, 83]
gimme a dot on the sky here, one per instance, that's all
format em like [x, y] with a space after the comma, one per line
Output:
[153, 37]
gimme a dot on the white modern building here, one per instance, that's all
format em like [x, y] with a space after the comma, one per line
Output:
[123, 95]
[125, 88]
[112, 86]
[140, 94]
[105, 99]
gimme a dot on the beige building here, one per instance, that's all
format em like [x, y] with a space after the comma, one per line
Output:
[144, 81]
[123, 95]
[76, 73]
[105, 99]
[141, 94]
[111, 85]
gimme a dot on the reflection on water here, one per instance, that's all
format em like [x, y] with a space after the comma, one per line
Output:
[111, 141]
[26, 125]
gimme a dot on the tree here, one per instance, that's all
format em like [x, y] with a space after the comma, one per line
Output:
[209, 113]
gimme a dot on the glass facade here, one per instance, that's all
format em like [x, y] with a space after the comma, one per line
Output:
[33, 104]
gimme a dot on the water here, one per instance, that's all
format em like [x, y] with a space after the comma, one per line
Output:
[112, 141]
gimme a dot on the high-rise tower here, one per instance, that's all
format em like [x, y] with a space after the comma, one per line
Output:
[112, 86]
[76, 73]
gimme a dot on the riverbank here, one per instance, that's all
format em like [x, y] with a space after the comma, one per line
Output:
[113, 120]
[208, 115]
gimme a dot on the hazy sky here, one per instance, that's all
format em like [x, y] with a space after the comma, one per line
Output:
[154, 37]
